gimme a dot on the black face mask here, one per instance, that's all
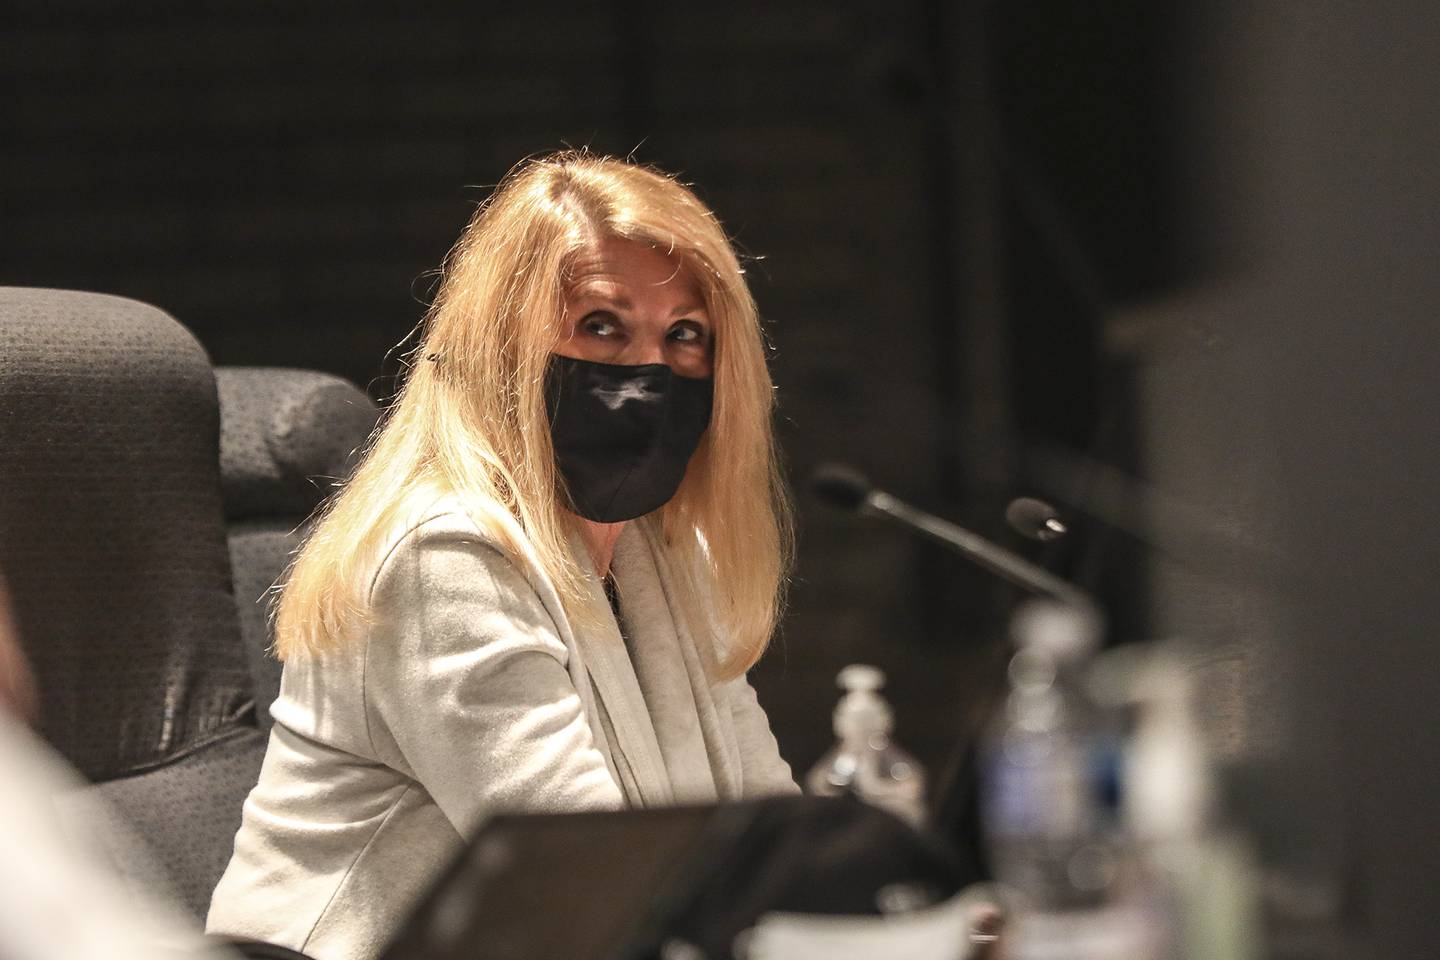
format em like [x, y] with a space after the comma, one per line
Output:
[623, 435]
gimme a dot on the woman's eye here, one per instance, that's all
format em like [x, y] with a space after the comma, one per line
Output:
[687, 331]
[599, 324]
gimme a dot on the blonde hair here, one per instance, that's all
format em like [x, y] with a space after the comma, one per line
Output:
[470, 419]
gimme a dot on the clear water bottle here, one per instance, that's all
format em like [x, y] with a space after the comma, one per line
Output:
[1048, 770]
[865, 762]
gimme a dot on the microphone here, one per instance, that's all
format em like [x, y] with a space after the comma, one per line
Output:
[1035, 519]
[848, 488]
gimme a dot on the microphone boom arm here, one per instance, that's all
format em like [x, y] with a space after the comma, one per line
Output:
[992, 557]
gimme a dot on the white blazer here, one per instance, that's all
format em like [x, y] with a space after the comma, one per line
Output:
[469, 694]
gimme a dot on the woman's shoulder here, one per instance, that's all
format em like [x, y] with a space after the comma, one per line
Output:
[446, 583]
[437, 534]
[436, 516]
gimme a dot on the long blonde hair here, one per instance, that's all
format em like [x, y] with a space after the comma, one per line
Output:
[470, 418]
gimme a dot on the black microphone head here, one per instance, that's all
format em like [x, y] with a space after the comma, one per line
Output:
[1035, 519]
[840, 485]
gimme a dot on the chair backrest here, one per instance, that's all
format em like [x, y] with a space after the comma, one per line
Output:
[286, 438]
[113, 542]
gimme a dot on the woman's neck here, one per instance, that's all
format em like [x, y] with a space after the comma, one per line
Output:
[600, 541]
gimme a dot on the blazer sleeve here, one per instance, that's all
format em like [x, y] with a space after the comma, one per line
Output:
[465, 679]
[763, 770]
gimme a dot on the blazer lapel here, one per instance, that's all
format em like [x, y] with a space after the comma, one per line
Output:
[603, 652]
[697, 653]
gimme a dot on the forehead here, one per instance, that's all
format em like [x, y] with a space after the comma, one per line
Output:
[615, 266]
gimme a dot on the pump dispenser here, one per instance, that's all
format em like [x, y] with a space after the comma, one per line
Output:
[1202, 875]
[864, 762]
[862, 711]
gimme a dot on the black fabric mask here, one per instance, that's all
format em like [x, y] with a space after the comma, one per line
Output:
[623, 434]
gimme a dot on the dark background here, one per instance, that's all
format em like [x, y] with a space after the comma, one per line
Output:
[285, 180]
[1173, 266]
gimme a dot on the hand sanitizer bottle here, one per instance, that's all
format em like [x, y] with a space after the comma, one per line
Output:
[865, 763]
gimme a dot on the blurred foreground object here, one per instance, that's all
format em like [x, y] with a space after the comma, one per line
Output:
[951, 930]
[1107, 841]
[1200, 877]
[1288, 390]
[60, 895]
[1048, 810]
[684, 883]
[1048, 773]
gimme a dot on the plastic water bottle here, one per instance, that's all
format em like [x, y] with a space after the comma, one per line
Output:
[1050, 803]
[865, 762]
[1048, 769]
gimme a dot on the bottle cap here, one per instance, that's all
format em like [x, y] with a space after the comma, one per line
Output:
[1061, 631]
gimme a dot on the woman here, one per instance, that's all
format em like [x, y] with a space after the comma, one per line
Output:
[542, 588]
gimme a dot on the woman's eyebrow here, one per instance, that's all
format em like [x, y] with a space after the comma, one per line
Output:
[690, 308]
[611, 296]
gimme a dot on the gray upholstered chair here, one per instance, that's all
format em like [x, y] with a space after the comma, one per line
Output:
[112, 538]
[286, 437]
